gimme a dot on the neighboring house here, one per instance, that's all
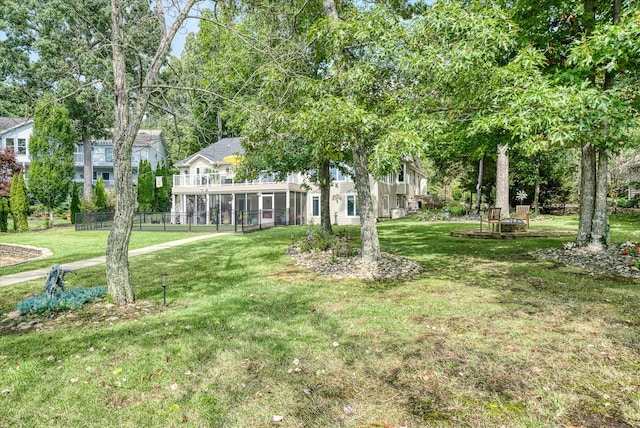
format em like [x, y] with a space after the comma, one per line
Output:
[205, 191]
[205, 188]
[149, 145]
[15, 132]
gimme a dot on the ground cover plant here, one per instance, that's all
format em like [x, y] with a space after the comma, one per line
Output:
[63, 300]
[485, 337]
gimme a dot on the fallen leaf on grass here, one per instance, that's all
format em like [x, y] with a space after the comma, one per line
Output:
[74, 379]
[349, 410]
[117, 371]
[277, 418]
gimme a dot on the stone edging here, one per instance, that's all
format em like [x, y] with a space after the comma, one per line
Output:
[13, 254]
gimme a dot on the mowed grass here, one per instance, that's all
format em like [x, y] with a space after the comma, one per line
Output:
[485, 337]
[69, 246]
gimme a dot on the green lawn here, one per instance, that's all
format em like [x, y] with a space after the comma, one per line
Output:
[486, 337]
[68, 245]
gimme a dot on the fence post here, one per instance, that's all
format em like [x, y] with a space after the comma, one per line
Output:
[217, 219]
[164, 221]
[259, 219]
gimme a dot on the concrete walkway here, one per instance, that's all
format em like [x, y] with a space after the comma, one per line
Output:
[16, 278]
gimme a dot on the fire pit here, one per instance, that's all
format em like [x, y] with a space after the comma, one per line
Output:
[513, 225]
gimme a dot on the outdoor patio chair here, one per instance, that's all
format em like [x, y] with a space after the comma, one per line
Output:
[493, 220]
[522, 213]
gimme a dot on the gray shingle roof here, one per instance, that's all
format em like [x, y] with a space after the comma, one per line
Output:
[11, 122]
[217, 151]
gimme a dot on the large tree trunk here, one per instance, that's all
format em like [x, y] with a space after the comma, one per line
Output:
[587, 193]
[479, 185]
[368, 230]
[325, 196]
[600, 222]
[536, 191]
[87, 168]
[128, 117]
[117, 255]
[502, 180]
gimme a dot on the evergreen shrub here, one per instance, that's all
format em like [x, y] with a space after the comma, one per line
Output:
[73, 298]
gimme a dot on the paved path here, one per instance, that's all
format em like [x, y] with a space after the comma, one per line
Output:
[42, 273]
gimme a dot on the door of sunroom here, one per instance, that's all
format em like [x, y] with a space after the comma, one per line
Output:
[267, 207]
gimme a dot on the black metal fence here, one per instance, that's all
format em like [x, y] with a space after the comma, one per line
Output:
[201, 221]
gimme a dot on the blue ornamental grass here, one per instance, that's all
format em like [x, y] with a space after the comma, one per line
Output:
[73, 298]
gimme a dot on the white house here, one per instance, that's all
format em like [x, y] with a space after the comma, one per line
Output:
[149, 145]
[15, 132]
[205, 192]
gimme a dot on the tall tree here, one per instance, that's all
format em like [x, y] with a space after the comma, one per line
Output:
[131, 102]
[162, 191]
[145, 187]
[19, 203]
[59, 47]
[51, 149]
[100, 196]
[74, 206]
[586, 43]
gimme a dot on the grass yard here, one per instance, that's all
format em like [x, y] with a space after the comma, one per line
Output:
[69, 246]
[486, 337]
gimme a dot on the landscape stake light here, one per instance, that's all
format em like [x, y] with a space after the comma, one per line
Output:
[164, 288]
[292, 239]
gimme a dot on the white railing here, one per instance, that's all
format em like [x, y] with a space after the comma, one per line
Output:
[100, 160]
[199, 180]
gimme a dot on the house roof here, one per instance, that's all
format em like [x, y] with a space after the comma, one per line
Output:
[145, 137]
[217, 151]
[7, 123]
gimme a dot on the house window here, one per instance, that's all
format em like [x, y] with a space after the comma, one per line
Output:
[105, 176]
[22, 146]
[108, 154]
[339, 175]
[401, 174]
[353, 209]
[9, 142]
[315, 206]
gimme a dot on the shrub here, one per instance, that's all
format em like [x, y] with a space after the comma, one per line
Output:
[457, 211]
[320, 240]
[74, 206]
[70, 299]
[4, 215]
[431, 202]
[19, 203]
